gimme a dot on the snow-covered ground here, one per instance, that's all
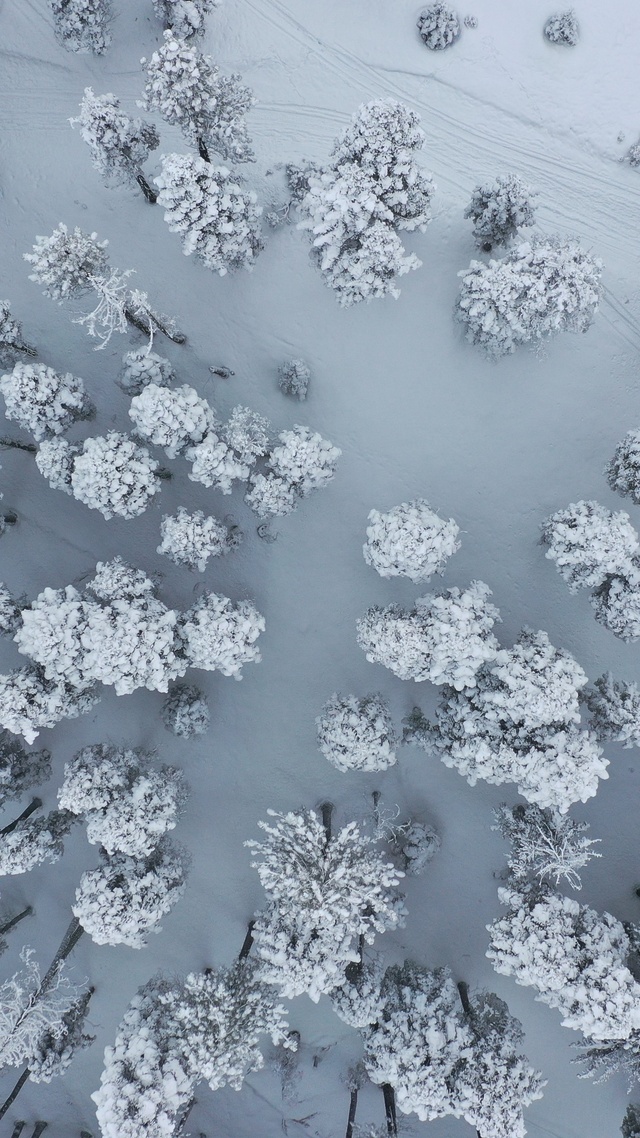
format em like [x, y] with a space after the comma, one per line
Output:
[417, 413]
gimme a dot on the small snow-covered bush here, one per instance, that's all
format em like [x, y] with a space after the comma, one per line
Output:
[417, 844]
[185, 711]
[172, 418]
[498, 210]
[68, 262]
[119, 145]
[438, 26]
[357, 734]
[617, 604]
[542, 287]
[184, 17]
[140, 368]
[82, 25]
[218, 220]
[410, 541]
[623, 472]
[247, 433]
[563, 28]
[589, 542]
[215, 463]
[114, 475]
[615, 710]
[220, 636]
[294, 378]
[191, 539]
[42, 401]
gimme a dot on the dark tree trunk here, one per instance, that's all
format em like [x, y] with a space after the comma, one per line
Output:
[68, 943]
[142, 326]
[185, 1114]
[39, 1128]
[14, 1093]
[390, 1109]
[15, 444]
[86, 1134]
[26, 349]
[463, 992]
[34, 805]
[16, 920]
[247, 942]
[10, 518]
[150, 195]
[164, 474]
[202, 150]
[327, 811]
[17, 1130]
[353, 1103]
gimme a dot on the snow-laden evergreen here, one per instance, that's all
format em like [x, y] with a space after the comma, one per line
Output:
[219, 635]
[187, 89]
[12, 343]
[82, 25]
[417, 843]
[20, 769]
[520, 722]
[573, 956]
[325, 891]
[247, 433]
[191, 539]
[293, 378]
[206, 205]
[438, 26]
[10, 617]
[54, 460]
[57, 1045]
[110, 473]
[115, 580]
[545, 845]
[140, 368]
[615, 710]
[215, 463]
[123, 900]
[33, 841]
[445, 638]
[499, 209]
[42, 401]
[173, 418]
[304, 462]
[185, 711]
[589, 543]
[119, 145]
[126, 803]
[68, 262]
[184, 17]
[542, 287]
[28, 1010]
[410, 540]
[617, 603]
[29, 701]
[357, 734]
[563, 28]
[623, 472]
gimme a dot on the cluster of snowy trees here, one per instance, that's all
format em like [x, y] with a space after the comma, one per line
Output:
[84, 25]
[117, 633]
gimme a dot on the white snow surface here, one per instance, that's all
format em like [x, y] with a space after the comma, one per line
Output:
[416, 411]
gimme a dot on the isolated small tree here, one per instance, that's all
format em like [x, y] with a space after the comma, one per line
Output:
[215, 463]
[325, 892]
[218, 220]
[185, 711]
[11, 341]
[293, 378]
[438, 26]
[357, 734]
[29, 1008]
[191, 539]
[126, 803]
[623, 472]
[589, 543]
[68, 262]
[574, 957]
[29, 702]
[122, 901]
[545, 845]
[20, 769]
[140, 368]
[42, 401]
[184, 17]
[499, 209]
[615, 710]
[82, 25]
[563, 28]
[247, 433]
[218, 635]
[119, 145]
[540, 288]
[114, 475]
[186, 88]
[302, 463]
[444, 639]
[33, 841]
[173, 418]
[410, 541]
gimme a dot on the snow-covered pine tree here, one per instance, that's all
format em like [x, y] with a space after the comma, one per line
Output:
[247, 433]
[185, 711]
[293, 378]
[357, 734]
[416, 844]
[410, 540]
[134, 644]
[617, 603]
[187, 89]
[52, 631]
[33, 841]
[126, 803]
[20, 769]
[590, 543]
[122, 901]
[563, 28]
[184, 17]
[142, 367]
[631, 1122]
[55, 460]
[623, 472]
[42, 401]
[191, 539]
[56, 1048]
[28, 701]
[115, 580]
[575, 957]
[615, 710]
[444, 639]
[114, 475]
[29, 1008]
[302, 463]
[11, 341]
[215, 463]
[82, 25]
[326, 893]
[217, 219]
[519, 723]
[499, 209]
[10, 610]
[68, 262]
[438, 26]
[542, 287]
[119, 145]
[173, 418]
[545, 845]
[218, 635]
